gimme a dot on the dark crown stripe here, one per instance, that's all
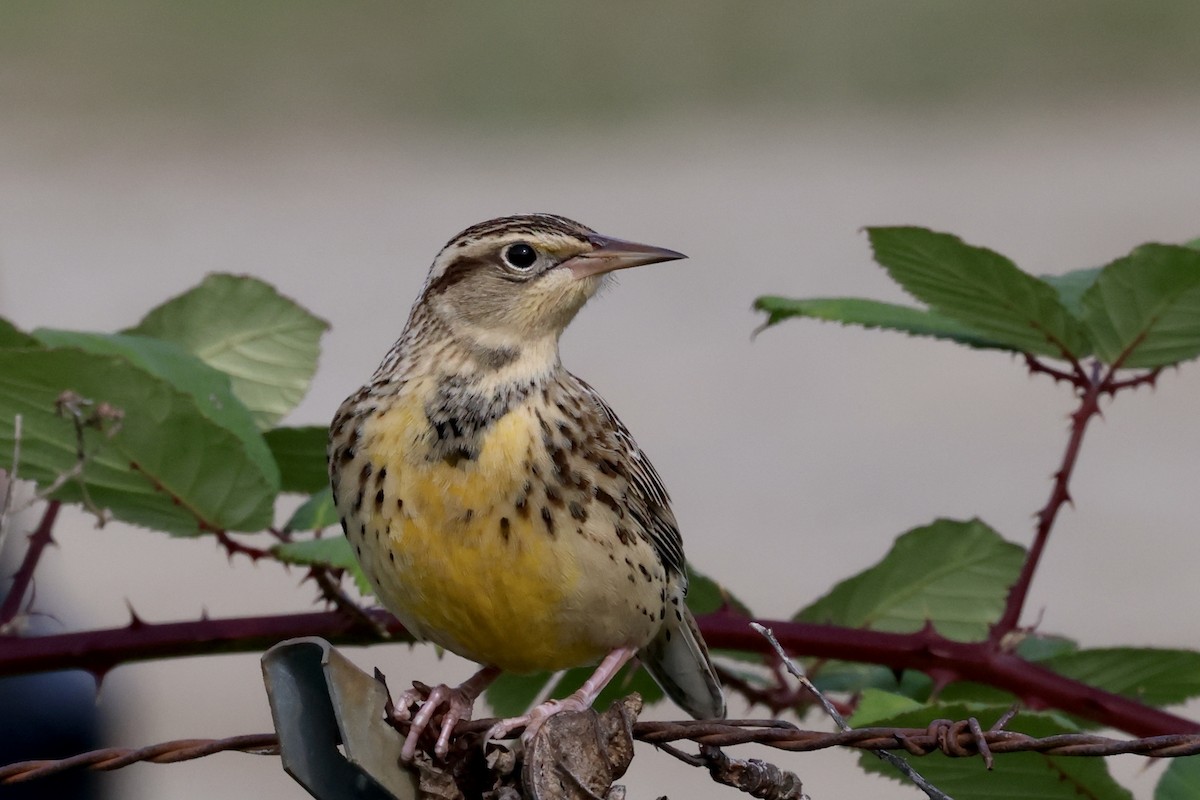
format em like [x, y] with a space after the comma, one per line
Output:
[522, 223]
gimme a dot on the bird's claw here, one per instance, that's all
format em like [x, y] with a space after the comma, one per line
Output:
[533, 721]
[456, 705]
[402, 707]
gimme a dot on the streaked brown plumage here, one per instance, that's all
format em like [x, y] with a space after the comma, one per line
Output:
[497, 504]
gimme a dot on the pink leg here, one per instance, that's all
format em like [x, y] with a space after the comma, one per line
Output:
[581, 700]
[458, 703]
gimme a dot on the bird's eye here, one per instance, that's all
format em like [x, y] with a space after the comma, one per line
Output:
[520, 255]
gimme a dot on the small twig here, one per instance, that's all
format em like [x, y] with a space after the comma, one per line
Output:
[896, 761]
[1060, 495]
[754, 776]
[332, 592]
[103, 417]
[41, 537]
[777, 697]
[685, 757]
[1036, 365]
[233, 547]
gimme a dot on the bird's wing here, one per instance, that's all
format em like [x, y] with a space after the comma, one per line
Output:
[648, 501]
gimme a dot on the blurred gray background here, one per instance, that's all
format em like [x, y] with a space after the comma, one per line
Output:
[332, 148]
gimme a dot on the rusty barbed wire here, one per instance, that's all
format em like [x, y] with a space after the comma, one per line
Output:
[959, 739]
[111, 758]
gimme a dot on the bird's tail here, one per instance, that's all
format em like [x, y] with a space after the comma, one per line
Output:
[678, 659]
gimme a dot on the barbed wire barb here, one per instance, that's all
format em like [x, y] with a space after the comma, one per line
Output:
[919, 780]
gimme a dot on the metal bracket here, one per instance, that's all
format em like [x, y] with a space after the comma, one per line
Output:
[319, 700]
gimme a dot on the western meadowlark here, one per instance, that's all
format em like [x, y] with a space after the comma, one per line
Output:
[496, 503]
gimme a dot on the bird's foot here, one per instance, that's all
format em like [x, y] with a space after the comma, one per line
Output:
[455, 703]
[581, 700]
[535, 718]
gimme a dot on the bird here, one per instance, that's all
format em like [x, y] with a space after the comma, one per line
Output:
[496, 503]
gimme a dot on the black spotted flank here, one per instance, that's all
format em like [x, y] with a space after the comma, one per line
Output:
[610, 501]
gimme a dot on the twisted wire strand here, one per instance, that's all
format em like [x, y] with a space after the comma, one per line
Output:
[956, 739]
[111, 758]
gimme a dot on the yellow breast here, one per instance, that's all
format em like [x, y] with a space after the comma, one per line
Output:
[460, 552]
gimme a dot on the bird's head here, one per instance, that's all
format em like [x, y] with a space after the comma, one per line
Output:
[513, 281]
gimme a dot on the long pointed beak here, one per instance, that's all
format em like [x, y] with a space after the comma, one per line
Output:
[613, 254]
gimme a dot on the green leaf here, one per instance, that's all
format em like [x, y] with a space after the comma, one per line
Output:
[854, 677]
[1194, 244]
[706, 595]
[1156, 677]
[979, 693]
[266, 343]
[182, 370]
[1071, 287]
[511, 695]
[1029, 776]
[300, 454]
[631, 678]
[10, 336]
[1041, 646]
[875, 704]
[178, 457]
[980, 289]
[874, 314]
[314, 514]
[328, 551]
[1180, 781]
[1144, 309]
[954, 574]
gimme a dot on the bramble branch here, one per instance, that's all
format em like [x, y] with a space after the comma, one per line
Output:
[926, 651]
[41, 537]
[99, 651]
[929, 651]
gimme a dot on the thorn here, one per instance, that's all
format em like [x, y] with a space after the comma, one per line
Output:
[204, 614]
[1037, 623]
[135, 622]
[99, 674]
[941, 679]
